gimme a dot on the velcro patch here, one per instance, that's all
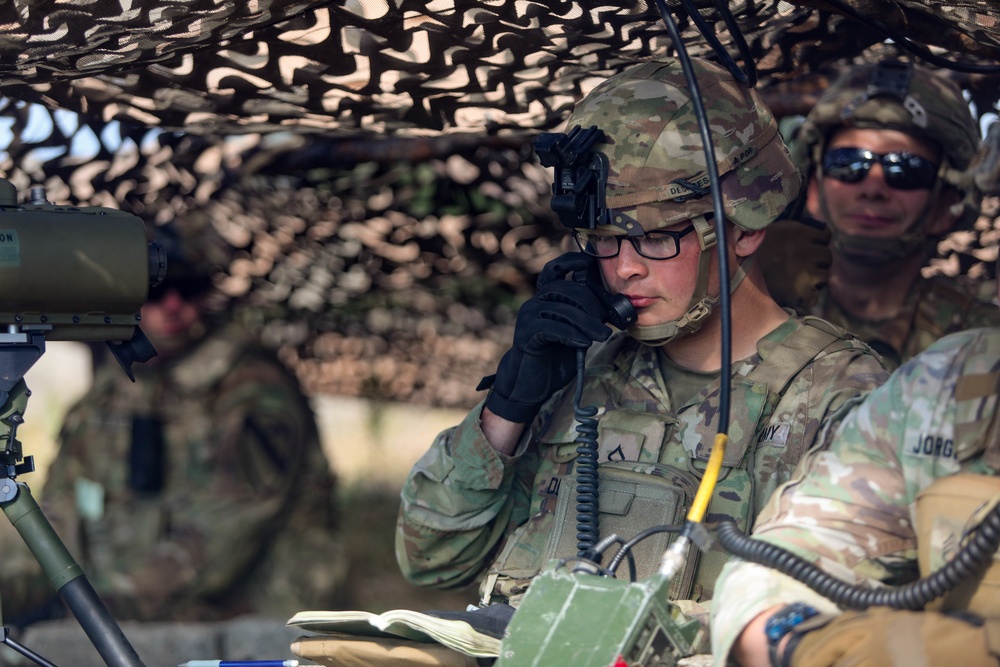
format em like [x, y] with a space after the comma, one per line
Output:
[775, 435]
[620, 445]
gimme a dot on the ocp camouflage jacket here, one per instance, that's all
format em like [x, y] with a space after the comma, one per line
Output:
[851, 506]
[462, 501]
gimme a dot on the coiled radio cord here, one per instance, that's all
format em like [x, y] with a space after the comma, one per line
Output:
[587, 479]
[968, 562]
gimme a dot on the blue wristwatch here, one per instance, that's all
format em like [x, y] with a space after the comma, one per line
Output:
[783, 622]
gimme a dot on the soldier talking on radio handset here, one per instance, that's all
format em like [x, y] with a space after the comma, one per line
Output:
[491, 498]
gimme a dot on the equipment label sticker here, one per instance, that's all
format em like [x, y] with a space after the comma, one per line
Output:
[10, 248]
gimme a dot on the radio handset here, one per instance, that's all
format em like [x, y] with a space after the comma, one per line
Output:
[620, 313]
[579, 181]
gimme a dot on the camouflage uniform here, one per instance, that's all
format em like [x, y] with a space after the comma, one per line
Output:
[850, 507]
[463, 499]
[936, 307]
[468, 511]
[242, 520]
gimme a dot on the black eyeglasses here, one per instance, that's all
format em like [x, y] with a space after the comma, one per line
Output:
[901, 170]
[657, 244]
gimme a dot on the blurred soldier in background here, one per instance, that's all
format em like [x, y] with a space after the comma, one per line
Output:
[200, 491]
[885, 152]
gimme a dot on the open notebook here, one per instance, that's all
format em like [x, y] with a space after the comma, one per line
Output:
[476, 632]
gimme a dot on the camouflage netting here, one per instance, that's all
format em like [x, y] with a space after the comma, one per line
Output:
[225, 66]
[393, 280]
[367, 164]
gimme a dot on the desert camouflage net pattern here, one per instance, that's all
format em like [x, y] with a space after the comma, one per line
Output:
[357, 202]
[225, 66]
[394, 279]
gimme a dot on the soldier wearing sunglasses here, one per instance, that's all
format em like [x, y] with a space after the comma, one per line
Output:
[885, 150]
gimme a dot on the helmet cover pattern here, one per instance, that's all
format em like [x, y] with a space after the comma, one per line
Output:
[656, 153]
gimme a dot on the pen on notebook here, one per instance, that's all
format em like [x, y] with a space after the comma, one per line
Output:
[240, 663]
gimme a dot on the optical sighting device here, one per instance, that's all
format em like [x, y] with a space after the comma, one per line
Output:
[69, 274]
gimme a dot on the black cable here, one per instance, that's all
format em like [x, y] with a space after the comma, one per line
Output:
[623, 551]
[626, 549]
[587, 480]
[968, 562]
[748, 78]
[719, 211]
[905, 43]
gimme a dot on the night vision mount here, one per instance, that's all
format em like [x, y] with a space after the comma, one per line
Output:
[578, 185]
[581, 175]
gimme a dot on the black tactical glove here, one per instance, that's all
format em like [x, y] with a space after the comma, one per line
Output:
[562, 317]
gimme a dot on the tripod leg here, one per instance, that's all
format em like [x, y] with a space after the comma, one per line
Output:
[68, 579]
[24, 650]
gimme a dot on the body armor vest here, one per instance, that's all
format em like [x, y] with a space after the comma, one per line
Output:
[651, 462]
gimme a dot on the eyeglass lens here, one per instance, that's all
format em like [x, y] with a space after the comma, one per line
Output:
[658, 244]
[901, 170]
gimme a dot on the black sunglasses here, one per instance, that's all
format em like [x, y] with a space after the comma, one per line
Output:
[187, 288]
[901, 170]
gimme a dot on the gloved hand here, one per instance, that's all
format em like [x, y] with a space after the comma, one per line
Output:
[883, 637]
[562, 317]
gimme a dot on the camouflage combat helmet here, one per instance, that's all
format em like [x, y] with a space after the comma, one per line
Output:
[189, 268]
[898, 96]
[657, 173]
[657, 157]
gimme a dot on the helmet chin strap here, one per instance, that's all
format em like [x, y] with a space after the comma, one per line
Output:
[878, 251]
[700, 306]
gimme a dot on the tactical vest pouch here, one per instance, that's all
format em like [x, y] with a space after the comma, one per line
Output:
[634, 496]
[946, 512]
